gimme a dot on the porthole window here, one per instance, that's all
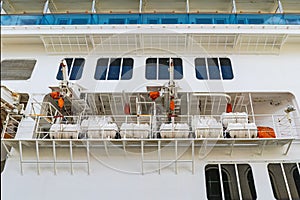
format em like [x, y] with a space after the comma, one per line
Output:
[74, 69]
[225, 180]
[158, 68]
[114, 69]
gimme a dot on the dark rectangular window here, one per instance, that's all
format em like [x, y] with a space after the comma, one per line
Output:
[213, 68]
[152, 21]
[62, 21]
[200, 67]
[101, 69]
[285, 180]
[178, 70]
[127, 68]
[116, 21]
[220, 21]
[114, 69]
[151, 68]
[80, 21]
[77, 69]
[17, 69]
[255, 21]
[169, 21]
[204, 21]
[163, 69]
[231, 182]
[74, 67]
[226, 68]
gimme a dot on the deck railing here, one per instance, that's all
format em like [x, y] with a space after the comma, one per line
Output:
[146, 18]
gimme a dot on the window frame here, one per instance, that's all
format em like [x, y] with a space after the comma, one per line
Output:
[6, 75]
[219, 66]
[237, 183]
[289, 188]
[70, 69]
[108, 69]
[157, 76]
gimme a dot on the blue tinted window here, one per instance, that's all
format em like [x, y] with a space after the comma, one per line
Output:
[77, 69]
[200, 67]
[132, 21]
[80, 21]
[169, 21]
[116, 21]
[213, 68]
[204, 21]
[69, 62]
[255, 21]
[226, 68]
[114, 69]
[220, 21]
[163, 68]
[101, 69]
[152, 21]
[28, 21]
[151, 68]
[127, 68]
[163, 72]
[62, 21]
[178, 71]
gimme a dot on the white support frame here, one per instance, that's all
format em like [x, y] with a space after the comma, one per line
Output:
[285, 181]
[187, 6]
[233, 7]
[141, 6]
[94, 6]
[46, 7]
[279, 8]
[69, 144]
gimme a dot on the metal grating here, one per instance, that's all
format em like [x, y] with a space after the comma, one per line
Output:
[67, 44]
[212, 43]
[171, 43]
[115, 43]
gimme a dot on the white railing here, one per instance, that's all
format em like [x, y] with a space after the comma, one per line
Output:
[281, 125]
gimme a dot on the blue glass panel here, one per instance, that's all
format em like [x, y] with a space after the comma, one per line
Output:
[204, 21]
[200, 67]
[213, 68]
[255, 21]
[101, 69]
[169, 21]
[62, 21]
[114, 69]
[241, 21]
[145, 18]
[59, 75]
[226, 68]
[127, 68]
[116, 21]
[178, 71]
[77, 69]
[152, 21]
[151, 68]
[28, 21]
[69, 62]
[220, 21]
[163, 69]
[80, 21]
[132, 21]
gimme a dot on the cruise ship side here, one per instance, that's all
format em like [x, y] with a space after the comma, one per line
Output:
[148, 99]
